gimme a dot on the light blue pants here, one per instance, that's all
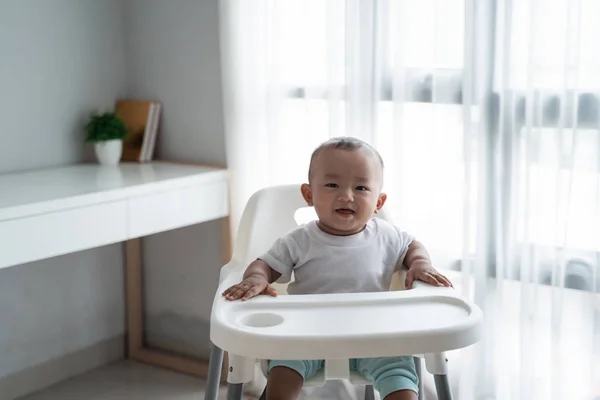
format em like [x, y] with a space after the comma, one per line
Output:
[387, 374]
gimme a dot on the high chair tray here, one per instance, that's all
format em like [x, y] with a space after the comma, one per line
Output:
[425, 319]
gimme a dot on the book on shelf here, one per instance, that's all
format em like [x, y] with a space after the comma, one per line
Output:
[141, 119]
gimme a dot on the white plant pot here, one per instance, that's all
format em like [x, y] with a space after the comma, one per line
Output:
[109, 152]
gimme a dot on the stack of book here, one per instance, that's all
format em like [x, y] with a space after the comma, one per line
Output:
[141, 119]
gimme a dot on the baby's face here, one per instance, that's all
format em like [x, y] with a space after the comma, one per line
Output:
[345, 189]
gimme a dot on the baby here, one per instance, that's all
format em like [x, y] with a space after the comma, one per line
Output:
[346, 250]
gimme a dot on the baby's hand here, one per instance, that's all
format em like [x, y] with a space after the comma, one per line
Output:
[423, 271]
[250, 287]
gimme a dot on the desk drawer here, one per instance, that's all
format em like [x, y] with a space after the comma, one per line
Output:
[177, 208]
[48, 235]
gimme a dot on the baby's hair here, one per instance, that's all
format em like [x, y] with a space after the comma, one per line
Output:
[342, 143]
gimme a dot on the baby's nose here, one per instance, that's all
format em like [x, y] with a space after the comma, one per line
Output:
[346, 195]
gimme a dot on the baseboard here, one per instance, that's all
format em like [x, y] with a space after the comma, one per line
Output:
[54, 371]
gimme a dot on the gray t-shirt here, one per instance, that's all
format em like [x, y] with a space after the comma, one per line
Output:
[324, 263]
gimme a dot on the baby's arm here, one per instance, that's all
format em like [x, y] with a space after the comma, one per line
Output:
[257, 279]
[419, 267]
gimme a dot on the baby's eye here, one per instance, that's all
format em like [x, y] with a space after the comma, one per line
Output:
[331, 185]
[362, 188]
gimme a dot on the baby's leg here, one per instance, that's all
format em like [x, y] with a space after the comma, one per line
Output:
[395, 378]
[284, 384]
[286, 377]
[402, 395]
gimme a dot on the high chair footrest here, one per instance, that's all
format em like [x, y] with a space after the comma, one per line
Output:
[319, 378]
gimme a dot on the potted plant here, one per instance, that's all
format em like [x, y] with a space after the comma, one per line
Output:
[106, 131]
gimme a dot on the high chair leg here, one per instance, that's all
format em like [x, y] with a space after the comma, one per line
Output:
[234, 391]
[369, 392]
[213, 379]
[437, 364]
[442, 387]
[419, 370]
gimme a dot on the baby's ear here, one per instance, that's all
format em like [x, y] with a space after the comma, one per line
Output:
[307, 194]
[380, 202]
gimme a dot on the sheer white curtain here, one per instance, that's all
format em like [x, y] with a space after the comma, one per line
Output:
[487, 116]
[544, 261]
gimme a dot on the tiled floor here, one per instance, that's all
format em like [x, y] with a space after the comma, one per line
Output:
[127, 380]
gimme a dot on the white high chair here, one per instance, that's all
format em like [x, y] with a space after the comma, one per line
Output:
[426, 320]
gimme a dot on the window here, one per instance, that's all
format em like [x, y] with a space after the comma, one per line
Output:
[398, 66]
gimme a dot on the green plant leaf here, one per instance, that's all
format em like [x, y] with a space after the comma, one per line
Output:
[105, 126]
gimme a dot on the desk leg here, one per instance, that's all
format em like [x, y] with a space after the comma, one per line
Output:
[134, 296]
[136, 350]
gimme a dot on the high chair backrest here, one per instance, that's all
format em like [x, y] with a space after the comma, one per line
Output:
[269, 214]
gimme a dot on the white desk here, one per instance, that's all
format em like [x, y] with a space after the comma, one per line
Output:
[50, 212]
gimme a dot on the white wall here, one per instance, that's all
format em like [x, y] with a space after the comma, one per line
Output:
[59, 60]
[172, 52]
[173, 56]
